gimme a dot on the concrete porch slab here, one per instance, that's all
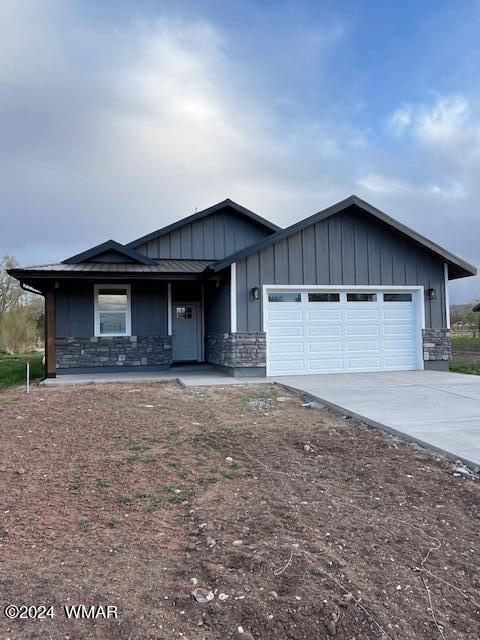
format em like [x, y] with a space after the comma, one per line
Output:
[188, 376]
[439, 410]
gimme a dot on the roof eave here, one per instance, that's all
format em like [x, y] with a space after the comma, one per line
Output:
[460, 268]
[25, 275]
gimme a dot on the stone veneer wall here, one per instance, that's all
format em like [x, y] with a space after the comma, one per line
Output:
[236, 349]
[437, 344]
[114, 351]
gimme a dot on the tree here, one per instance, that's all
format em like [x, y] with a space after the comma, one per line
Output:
[11, 292]
[21, 313]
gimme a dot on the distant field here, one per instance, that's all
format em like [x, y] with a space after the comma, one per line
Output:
[12, 368]
[465, 355]
[466, 341]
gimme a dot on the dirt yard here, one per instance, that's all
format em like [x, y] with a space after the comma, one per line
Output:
[294, 522]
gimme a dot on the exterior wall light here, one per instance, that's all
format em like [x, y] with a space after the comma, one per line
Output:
[256, 293]
[432, 294]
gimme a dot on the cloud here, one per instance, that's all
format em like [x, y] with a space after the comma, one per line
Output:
[115, 127]
[117, 130]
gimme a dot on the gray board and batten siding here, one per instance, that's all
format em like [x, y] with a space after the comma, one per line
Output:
[348, 248]
[74, 309]
[210, 238]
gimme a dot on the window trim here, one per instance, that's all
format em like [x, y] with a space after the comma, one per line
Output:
[128, 313]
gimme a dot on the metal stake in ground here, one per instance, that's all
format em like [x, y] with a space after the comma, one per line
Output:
[27, 362]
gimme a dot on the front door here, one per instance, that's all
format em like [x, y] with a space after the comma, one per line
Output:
[186, 328]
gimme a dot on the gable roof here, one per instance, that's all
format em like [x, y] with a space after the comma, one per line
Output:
[458, 268]
[202, 214]
[109, 245]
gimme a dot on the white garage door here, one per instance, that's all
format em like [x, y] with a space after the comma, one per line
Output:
[314, 331]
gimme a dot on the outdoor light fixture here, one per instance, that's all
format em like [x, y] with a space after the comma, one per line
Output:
[256, 293]
[432, 294]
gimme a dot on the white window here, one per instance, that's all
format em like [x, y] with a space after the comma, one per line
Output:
[112, 310]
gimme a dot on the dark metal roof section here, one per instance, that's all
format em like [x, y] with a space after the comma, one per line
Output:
[109, 245]
[107, 269]
[202, 214]
[476, 308]
[457, 268]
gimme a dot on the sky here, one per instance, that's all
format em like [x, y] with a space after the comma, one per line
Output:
[119, 117]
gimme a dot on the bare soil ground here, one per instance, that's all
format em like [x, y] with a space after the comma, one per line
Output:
[316, 527]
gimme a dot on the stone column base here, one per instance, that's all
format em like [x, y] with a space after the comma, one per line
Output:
[239, 354]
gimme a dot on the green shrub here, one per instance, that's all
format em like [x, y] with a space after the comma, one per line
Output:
[18, 331]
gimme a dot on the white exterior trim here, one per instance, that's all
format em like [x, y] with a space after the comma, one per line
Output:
[96, 312]
[169, 309]
[447, 296]
[417, 290]
[233, 297]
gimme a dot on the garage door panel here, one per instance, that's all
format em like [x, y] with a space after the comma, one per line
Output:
[331, 337]
[320, 365]
[364, 362]
[399, 313]
[286, 347]
[362, 330]
[324, 346]
[320, 330]
[287, 366]
[410, 345]
[286, 331]
[324, 314]
[399, 361]
[397, 329]
[362, 345]
[285, 315]
[365, 313]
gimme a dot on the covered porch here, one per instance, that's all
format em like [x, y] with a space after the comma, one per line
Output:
[118, 317]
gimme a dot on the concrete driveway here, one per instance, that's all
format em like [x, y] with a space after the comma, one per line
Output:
[437, 409]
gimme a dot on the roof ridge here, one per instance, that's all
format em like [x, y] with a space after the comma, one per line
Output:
[198, 215]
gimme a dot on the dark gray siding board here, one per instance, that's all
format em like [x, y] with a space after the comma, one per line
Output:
[217, 307]
[253, 278]
[149, 309]
[281, 262]
[322, 253]
[212, 238]
[74, 310]
[344, 249]
[335, 249]
[348, 248]
[309, 253]
[295, 261]
[242, 299]
[361, 255]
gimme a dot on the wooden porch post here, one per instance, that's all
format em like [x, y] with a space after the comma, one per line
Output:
[50, 347]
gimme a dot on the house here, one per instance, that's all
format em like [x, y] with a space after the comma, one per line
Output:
[347, 289]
